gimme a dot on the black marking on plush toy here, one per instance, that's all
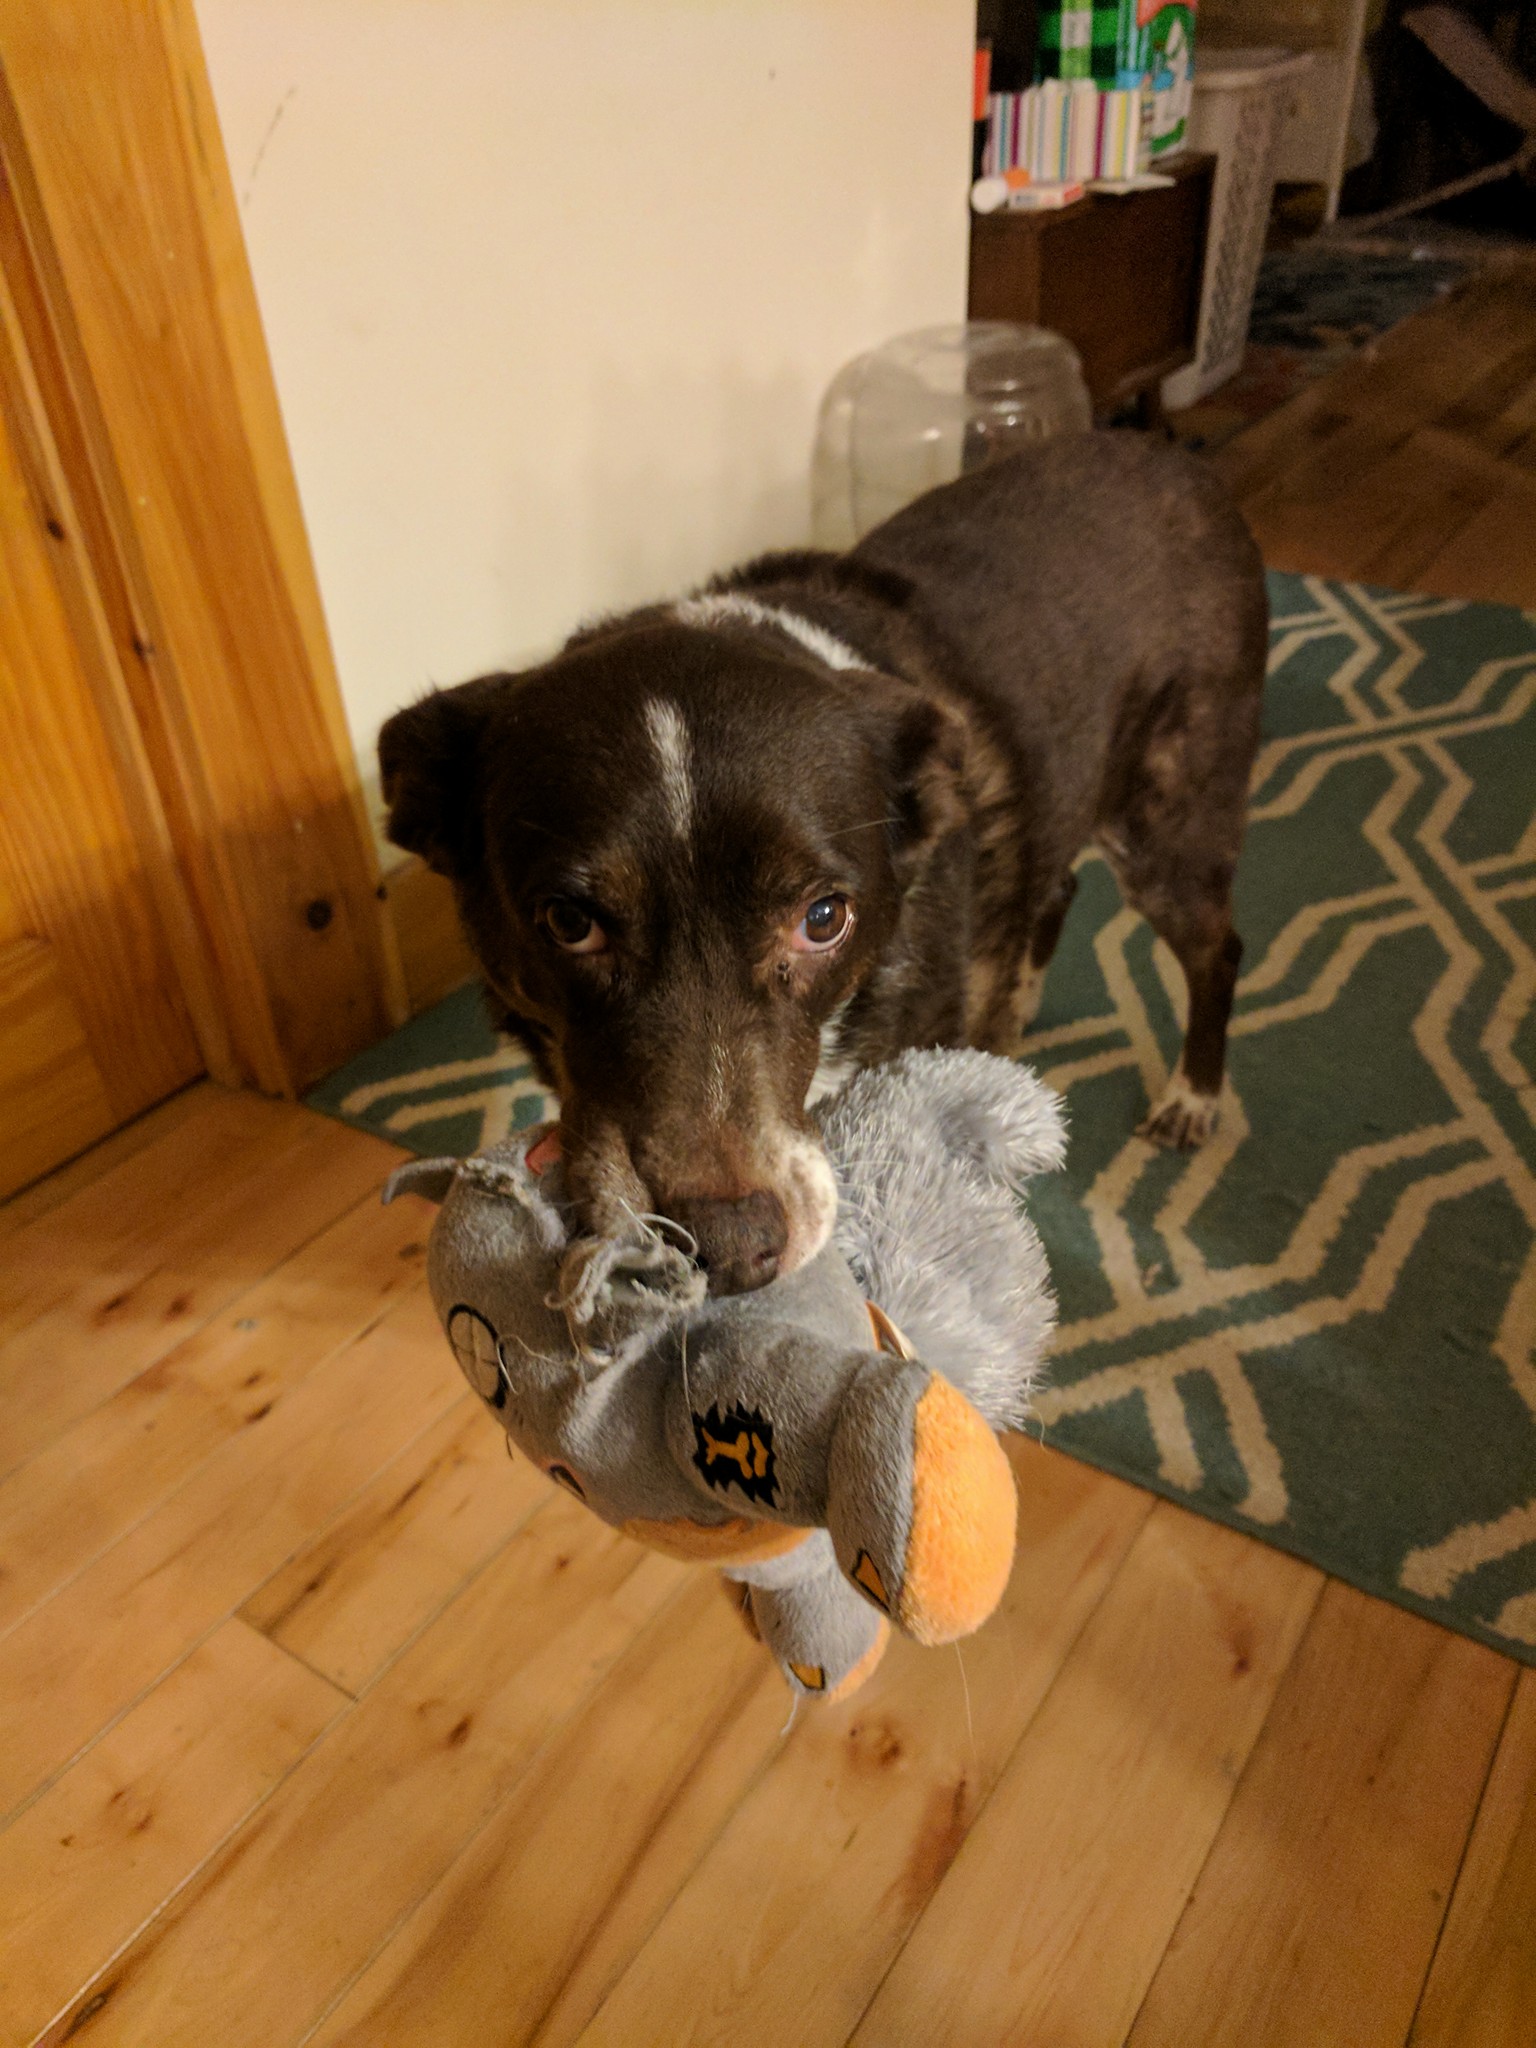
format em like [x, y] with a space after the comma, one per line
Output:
[736, 1449]
[562, 1475]
[866, 1576]
[478, 1349]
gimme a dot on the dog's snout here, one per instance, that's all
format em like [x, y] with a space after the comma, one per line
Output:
[740, 1241]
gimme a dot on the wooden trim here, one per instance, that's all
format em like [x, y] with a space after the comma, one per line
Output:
[141, 323]
[74, 534]
[434, 952]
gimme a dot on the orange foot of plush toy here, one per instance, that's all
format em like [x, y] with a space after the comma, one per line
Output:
[964, 1509]
[923, 1502]
[821, 1635]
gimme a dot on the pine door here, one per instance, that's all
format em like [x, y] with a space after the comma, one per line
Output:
[187, 877]
[92, 1024]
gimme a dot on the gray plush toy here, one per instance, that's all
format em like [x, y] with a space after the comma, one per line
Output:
[829, 1440]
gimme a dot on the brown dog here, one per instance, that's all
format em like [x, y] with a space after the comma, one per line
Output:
[718, 854]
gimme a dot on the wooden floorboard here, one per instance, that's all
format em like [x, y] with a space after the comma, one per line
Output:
[55, 1188]
[115, 1277]
[582, 1847]
[272, 1932]
[322, 1675]
[1118, 1789]
[840, 1846]
[1415, 464]
[1317, 1911]
[323, 1722]
[1481, 1991]
[113, 1631]
[88, 1864]
[118, 1462]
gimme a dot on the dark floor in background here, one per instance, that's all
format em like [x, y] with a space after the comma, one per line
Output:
[1317, 304]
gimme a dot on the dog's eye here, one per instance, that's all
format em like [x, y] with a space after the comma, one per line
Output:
[826, 923]
[572, 928]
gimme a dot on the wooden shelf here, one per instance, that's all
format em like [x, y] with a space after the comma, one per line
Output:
[1119, 276]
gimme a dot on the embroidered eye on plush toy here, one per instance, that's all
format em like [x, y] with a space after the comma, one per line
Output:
[828, 1441]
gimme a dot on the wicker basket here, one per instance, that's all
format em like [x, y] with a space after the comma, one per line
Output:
[1242, 99]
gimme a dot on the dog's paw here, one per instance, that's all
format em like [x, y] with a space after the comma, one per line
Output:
[1182, 1120]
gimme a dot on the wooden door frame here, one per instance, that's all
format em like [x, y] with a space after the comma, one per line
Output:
[134, 358]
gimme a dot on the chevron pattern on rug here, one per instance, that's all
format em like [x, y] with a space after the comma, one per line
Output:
[1320, 1327]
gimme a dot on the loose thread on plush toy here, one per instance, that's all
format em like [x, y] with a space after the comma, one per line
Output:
[970, 1725]
[794, 1709]
[683, 1353]
[684, 1238]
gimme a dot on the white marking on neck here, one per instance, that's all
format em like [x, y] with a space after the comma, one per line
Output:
[674, 755]
[835, 1067]
[732, 606]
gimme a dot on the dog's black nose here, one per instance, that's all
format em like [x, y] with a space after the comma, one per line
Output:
[740, 1242]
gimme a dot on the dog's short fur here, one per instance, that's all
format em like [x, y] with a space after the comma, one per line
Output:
[1066, 648]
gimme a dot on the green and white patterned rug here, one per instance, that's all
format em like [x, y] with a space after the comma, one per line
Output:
[1319, 1328]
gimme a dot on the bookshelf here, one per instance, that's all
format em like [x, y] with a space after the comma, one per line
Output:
[1119, 276]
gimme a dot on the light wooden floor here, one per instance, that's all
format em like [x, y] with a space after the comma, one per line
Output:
[321, 1721]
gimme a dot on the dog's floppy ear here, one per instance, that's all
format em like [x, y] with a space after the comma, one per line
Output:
[429, 757]
[924, 744]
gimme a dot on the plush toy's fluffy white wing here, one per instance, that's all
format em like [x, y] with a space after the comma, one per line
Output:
[932, 1153]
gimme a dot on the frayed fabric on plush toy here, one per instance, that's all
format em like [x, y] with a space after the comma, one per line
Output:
[829, 1441]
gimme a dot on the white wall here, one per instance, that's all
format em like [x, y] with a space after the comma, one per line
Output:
[552, 287]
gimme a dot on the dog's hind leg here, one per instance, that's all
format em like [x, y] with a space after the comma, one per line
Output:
[1044, 936]
[1171, 826]
[1186, 897]
[1208, 951]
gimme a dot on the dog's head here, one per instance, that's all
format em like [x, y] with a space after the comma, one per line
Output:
[678, 853]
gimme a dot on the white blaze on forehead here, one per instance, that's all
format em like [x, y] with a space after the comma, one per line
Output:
[674, 757]
[730, 607]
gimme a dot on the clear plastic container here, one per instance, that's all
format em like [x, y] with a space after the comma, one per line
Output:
[922, 409]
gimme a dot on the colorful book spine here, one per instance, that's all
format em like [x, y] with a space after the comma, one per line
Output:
[1068, 129]
[1120, 133]
[1082, 129]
